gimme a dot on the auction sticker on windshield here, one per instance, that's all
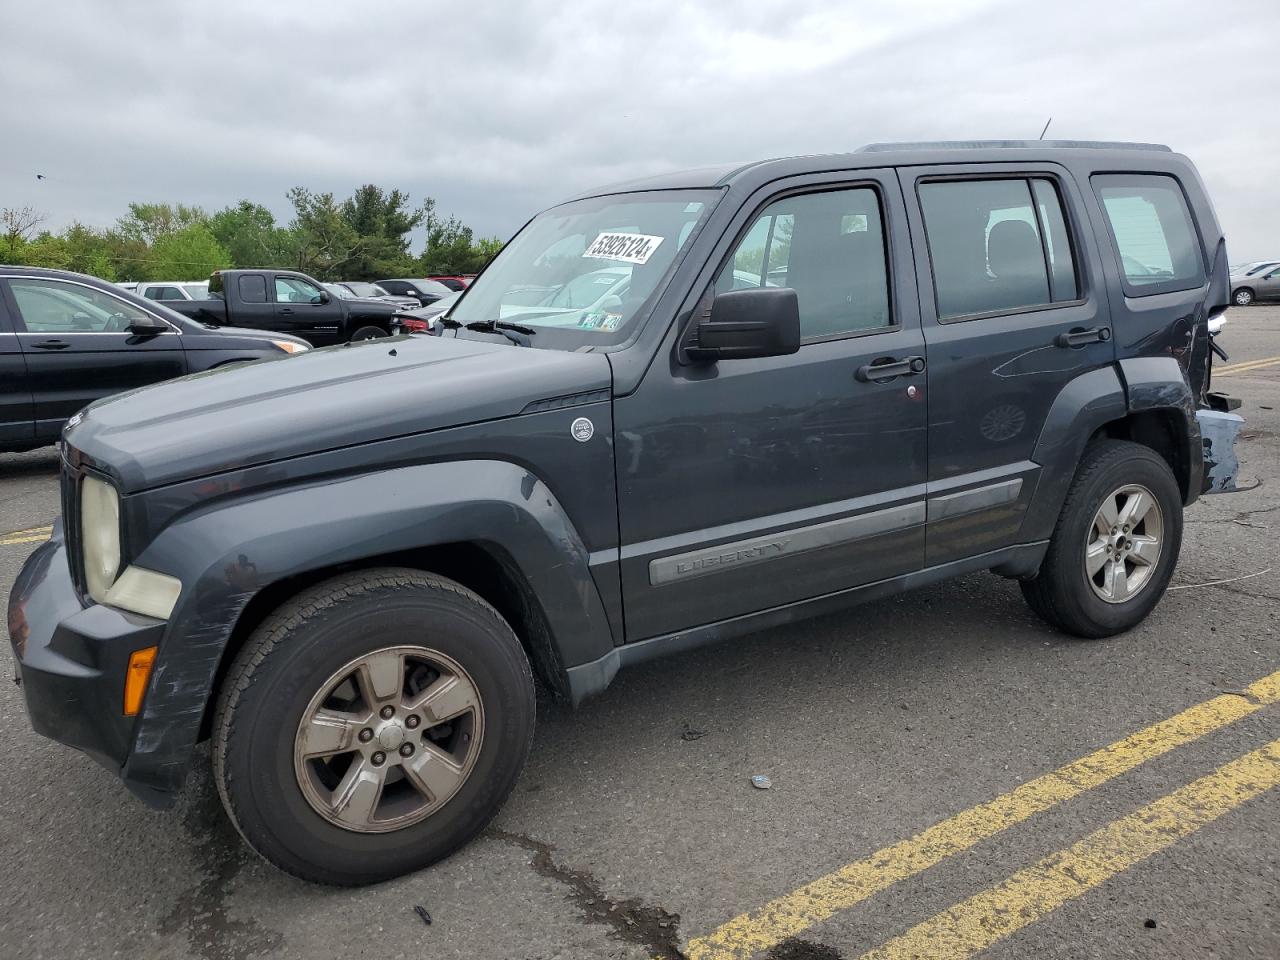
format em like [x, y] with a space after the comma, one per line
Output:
[628, 247]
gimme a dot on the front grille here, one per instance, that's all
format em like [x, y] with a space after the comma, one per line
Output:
[70, 477]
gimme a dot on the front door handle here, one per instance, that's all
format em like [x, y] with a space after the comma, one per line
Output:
[287, 310]
[51, 345]
[1078, 338]
[887, 368]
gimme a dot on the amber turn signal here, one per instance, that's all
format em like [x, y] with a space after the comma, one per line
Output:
[135, 680]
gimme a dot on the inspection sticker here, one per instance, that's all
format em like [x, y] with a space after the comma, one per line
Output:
[628, 247]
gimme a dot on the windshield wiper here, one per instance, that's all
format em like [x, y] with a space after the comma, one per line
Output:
[448, 323]
[517, 333]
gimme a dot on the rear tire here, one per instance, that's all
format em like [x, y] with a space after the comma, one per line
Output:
[1242, 297]
[368, 333]
[329, 750]
[1115, 546]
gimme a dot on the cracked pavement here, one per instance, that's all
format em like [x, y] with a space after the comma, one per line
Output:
[626, 839]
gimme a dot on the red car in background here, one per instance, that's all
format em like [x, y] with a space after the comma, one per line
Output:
[454, 282]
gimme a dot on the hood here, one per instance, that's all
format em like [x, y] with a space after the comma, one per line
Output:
[320, 400]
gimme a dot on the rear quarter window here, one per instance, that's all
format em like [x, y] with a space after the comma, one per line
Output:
[1154, 235]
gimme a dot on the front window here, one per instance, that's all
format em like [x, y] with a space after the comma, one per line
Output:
[580, 272]
[296, 290]
[51, 306]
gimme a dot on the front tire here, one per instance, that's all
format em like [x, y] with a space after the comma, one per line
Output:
[1115, 546]
[371, 726]
[1242, 297]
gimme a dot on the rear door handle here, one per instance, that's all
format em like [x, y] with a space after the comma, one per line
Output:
[51, 345]
[888, 368]
[1078, 338]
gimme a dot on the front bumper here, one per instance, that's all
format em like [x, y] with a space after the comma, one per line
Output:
[71, 659]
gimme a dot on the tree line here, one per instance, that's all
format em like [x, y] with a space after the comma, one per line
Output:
[364, 237]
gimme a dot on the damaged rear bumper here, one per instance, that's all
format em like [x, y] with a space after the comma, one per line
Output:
[1218, 430]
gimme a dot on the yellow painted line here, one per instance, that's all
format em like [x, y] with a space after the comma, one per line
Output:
[34, 535]
[820, 899]
[1245, 366]
[1030, 894]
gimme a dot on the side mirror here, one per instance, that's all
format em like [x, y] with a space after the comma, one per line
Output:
[757, 322]
[146, 325]
[324, 297]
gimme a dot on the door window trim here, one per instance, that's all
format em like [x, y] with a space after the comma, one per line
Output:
[1073, 234]
[24, 332]
[804, 190]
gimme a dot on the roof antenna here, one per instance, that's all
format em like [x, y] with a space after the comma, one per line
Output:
[1046, 127]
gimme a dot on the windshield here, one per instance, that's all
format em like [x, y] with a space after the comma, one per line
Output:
[339, 291]
[365, 289]
[580, 272]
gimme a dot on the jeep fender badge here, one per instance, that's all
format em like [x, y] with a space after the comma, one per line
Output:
[582, 429]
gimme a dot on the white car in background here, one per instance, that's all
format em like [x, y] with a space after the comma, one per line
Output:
[173, 289]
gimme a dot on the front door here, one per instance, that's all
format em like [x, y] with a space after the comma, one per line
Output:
[1012, 312]
[750, 484]
[17, 421]
[303, 308]
[78, 347]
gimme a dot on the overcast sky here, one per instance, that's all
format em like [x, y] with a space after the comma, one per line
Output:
[499, 108]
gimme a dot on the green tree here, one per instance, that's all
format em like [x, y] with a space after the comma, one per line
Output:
[47, 250]
[382, 220]
[452, 248]
[192, 252]
[90, 251]
[151, 221]
[251, 237]
[16, 228]
[327, 244]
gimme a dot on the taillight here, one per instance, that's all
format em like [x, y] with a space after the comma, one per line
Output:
[414, 325]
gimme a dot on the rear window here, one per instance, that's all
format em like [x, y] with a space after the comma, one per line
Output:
[997, 245]
[253, 288]
[1153, 232]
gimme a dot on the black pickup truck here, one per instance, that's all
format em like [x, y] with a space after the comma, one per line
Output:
[291, 303]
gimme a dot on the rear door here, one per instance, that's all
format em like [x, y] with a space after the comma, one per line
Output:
[1013, 309]
[17, 419]
[1161, 300]
[77, 347]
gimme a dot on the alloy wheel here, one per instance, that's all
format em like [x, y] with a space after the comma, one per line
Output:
[1124, 542]
[389, 739]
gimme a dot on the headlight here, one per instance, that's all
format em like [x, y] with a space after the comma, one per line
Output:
[100, 534]
[142, 591]
[288, 346]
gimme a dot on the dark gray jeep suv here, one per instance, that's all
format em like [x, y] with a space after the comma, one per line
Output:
[669, 412]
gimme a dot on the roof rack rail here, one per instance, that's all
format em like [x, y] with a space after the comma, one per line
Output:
[994, 144]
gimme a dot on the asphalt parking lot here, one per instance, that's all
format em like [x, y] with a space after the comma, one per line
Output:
[915, 809]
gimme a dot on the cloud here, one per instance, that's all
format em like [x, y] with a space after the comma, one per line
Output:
[499, 109]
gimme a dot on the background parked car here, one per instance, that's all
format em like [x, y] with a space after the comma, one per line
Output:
[1253, 267]
[173, 289]
[1258, 284]
[427, 315]
[454, 281]
[424, 291]
[68, 339]
[364, 290]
